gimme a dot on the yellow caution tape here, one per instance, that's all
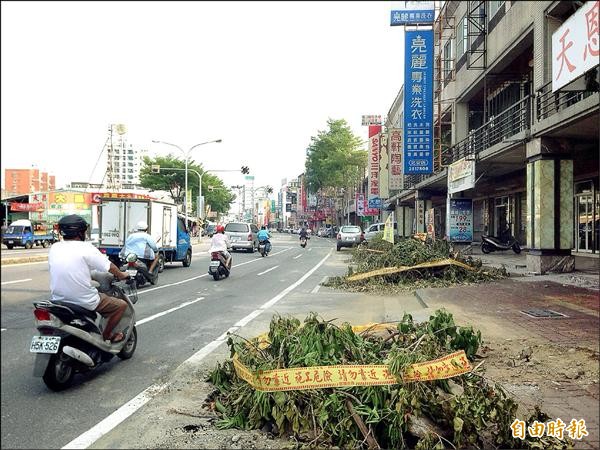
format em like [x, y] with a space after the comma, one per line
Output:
[390, 270]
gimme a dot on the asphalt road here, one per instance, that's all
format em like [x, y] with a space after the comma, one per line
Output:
[195, 311]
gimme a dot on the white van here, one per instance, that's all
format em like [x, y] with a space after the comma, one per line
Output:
[372, 231]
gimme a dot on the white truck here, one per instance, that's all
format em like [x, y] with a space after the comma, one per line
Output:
[118, 217]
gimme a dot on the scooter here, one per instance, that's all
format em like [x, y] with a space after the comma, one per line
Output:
[70, 339]
[142, 274]
[264, 247]
[218, 266]
[492, 244]
[303, 241]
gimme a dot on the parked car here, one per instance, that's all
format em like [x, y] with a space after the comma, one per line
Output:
[349, 236]
[242, 236]
[372, 231]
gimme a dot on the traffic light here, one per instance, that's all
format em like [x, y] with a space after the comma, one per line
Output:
[245, 170]
[155, 168]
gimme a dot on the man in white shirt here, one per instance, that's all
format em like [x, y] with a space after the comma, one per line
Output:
[71, 262]
[220, 243]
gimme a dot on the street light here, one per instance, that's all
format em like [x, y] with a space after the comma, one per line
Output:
[187, 155]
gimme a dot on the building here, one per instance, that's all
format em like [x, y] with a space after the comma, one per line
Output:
[25, 181]
[530, 149]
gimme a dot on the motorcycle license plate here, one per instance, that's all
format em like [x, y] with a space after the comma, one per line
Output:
[10, 242]
[132, 272]
[45, 344]
[215, 263]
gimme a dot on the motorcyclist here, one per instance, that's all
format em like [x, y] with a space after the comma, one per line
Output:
[263, 236]
[146, 249]
[303, 233]
[70, 263]
[220, 243]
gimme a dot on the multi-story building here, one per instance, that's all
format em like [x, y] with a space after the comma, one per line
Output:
[534, 149]
[25, 181]
[124, 163]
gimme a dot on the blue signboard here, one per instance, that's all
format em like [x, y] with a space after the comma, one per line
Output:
[418, 102]
[460, 219]
[412, 12]
[375, 202]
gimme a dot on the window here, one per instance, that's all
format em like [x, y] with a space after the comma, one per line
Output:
[494, 7]
[448, 62]
[461, 37]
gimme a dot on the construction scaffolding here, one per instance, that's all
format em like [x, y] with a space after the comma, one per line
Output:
[476, 35]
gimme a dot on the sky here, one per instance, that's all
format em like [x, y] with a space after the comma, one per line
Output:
[262, 76]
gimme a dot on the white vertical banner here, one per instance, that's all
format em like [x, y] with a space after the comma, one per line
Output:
[384, 191]
[395, 159]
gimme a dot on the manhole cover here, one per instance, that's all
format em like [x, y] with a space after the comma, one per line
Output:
[542, 313]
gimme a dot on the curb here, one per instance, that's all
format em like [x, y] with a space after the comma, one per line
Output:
[26, 259]
[419, 297]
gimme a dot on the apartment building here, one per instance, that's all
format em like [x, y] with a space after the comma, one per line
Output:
[25, 181]
[533, 151]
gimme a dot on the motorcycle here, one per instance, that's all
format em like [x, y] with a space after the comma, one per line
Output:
[264, 247]
[491, 244]
[138, 270]
[218, 266]
[70, 337]
[303, 241]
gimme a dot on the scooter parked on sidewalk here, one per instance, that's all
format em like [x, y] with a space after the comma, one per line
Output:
[492, 244]
[218, 266]
[70, 336]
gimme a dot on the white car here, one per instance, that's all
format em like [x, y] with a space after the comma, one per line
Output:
[376, 228]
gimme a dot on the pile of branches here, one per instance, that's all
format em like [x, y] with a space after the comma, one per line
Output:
[466, 411]
[410, 252]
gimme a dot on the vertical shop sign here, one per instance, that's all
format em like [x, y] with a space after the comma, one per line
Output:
[373, 196]
[384, 161]
[460, 219]
[418, 102]
[395, 160]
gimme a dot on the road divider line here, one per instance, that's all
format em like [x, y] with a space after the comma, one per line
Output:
[316, 288]
[15, 281]
[22, 264]
[296, 257]
[121, 414]
[268, 270]
[155, 316]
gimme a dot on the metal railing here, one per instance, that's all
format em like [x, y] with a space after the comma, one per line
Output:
[548, 103]
[512, 120]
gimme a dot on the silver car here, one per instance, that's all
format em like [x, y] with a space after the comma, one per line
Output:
[242, 236]
[349, 236]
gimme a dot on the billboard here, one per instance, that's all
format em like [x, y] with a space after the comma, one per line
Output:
[418, 102]
[395, 180]
[371, 120]
[461, 175]
[412, 12]
[460, 219]
[575, 45]
[373, 196]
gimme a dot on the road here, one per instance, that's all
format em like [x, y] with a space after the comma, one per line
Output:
[186, 311]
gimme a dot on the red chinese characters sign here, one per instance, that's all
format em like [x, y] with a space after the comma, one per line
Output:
[373, 166]
[395, 163]
[15, 206]
[575, 45]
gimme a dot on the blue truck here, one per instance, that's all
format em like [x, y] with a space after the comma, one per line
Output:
[24, 233]
[117, 218]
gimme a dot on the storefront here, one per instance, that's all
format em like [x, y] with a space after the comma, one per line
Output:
[587, 216]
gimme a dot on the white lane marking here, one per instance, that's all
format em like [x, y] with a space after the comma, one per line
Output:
[155, 316]
[204, 274]
[296, 257]
[268, 270]
[316, 288]
[105, 426]
[310, 249]
[15, 281]
[3, 329]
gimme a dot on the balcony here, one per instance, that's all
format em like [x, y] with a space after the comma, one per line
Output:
[549, 103]
[514, 119]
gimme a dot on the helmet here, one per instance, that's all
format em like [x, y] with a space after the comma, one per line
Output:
[220, 229]
[141, 226]
[72, 226]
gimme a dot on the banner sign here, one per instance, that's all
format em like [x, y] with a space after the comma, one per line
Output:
[418, 102]
[395, 181]
[461, 176]
[360, 204]
[430, 223]
[373, 167]
[321, 377]
[460, 221]
[388, 229]
[384, 191]
[95, 196]
[575, 45]
[371, 120]
[412, 12]
[30, 207]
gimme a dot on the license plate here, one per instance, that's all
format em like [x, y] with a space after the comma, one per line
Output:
[10, 242]
[132, 272]
[215, 263]
[350, 239]
[45, 344]
[234, 239]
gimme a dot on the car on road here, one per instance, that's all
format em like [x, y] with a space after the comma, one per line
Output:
[376, 228]
[210, 230]
[242, 236]
[349, 236]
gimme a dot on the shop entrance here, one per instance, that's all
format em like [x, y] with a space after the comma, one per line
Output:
[587, 217]
[502, 217]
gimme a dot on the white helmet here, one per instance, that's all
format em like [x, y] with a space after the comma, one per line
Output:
[141, 226]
